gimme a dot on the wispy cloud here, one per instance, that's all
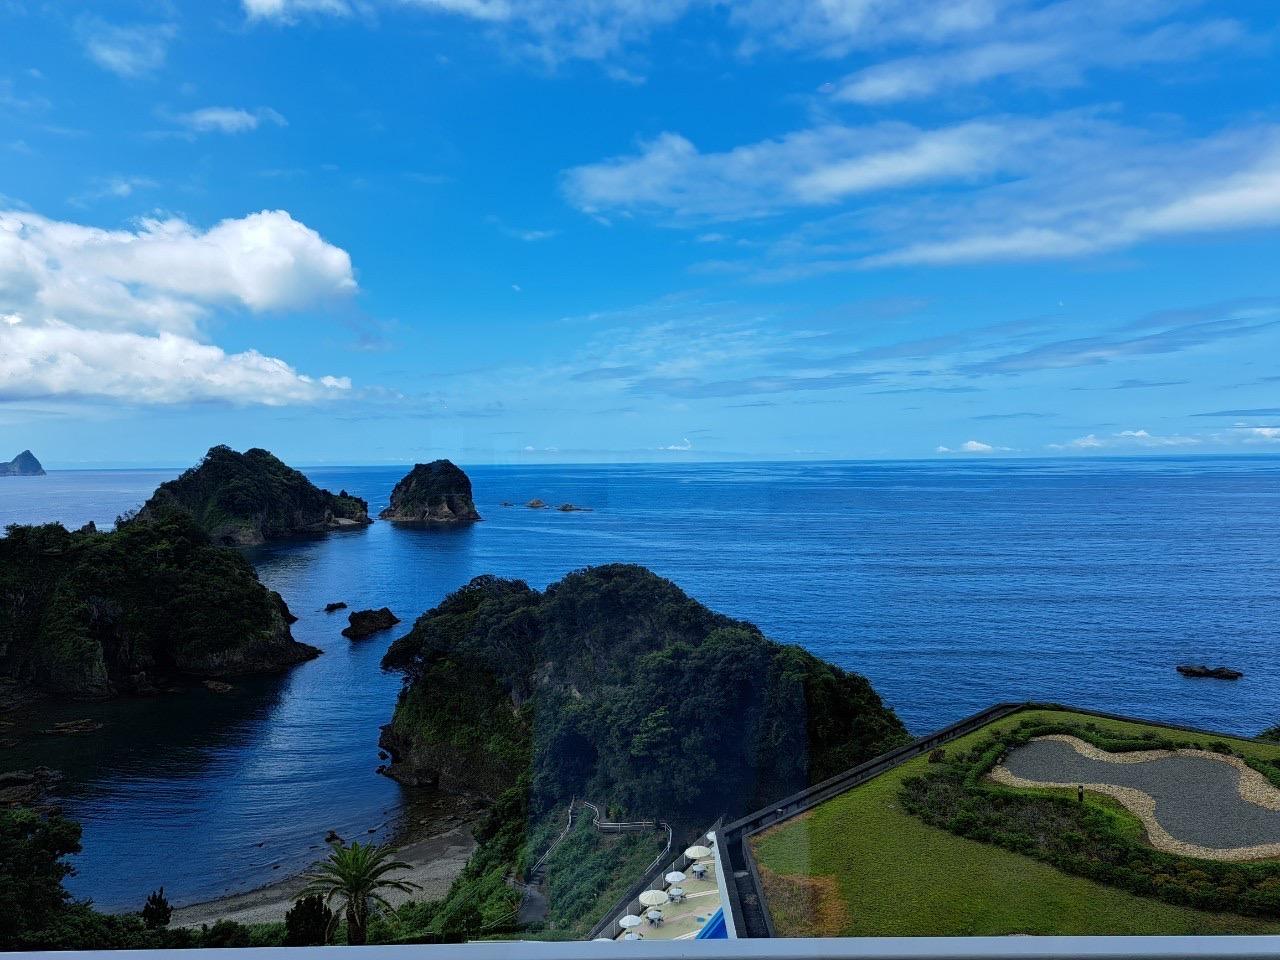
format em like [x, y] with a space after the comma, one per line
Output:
[127, 51]
[1051, 45]
[1131, 439]
[229, 119]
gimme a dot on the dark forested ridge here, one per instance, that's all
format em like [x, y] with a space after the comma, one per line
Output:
[24, 464]
[242, 499]
[436, 492]
[616, 685]
[95, 614]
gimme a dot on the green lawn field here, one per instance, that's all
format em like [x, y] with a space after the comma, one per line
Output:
[859, 866]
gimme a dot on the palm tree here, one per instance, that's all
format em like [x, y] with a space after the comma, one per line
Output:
[355, 875]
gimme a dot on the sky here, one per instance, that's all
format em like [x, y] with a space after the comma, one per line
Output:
[526, 231]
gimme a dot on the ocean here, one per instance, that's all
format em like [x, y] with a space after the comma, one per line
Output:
[952, 585]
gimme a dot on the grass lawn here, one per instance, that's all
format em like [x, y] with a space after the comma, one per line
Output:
[859, 866]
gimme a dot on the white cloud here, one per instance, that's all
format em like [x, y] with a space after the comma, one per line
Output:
[1127, 438]
[116, 313]
[1050, 46]
[128, 51]
[974, 446]
[288, 10]
[59, 360]
[817, 166]
[229, 119]
[164, 274]
[682, 446]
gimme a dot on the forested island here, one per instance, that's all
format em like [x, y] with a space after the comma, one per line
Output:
[24, 464]
[245, 499]
[436, 492]
[94, 615]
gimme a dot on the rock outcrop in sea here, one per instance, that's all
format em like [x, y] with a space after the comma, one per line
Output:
[96, 615]
[24, 464]
[244, 499]
[436, 492]
[365, 623]
[1211, 673]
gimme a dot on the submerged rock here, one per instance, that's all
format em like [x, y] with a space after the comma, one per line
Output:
[331, 607]
[436, 492]
[365, 623]
[572, 508]
[217, 686]
[1212, 673]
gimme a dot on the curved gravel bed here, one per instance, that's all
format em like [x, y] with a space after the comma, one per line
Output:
[1192, 802]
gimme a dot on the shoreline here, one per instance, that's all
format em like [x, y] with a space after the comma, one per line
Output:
[433, 836]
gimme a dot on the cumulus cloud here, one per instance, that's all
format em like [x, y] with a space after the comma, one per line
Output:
[166, 273]
[128, 51]
[229, 119]
[117, 313]
[56, 359]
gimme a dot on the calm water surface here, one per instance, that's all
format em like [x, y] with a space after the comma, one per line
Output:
[951, 585]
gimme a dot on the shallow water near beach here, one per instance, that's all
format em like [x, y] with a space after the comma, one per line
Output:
[951, 585]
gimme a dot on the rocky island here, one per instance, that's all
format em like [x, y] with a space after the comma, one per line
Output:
[245, 499]
[365, 623]
[96, 615]
[24, 464]
[436, 492]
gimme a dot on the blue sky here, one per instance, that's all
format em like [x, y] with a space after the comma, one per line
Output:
[365, 231]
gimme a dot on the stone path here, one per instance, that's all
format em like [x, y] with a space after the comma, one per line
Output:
[1192, 802]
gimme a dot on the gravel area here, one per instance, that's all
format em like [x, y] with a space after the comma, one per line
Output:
[1192, 802]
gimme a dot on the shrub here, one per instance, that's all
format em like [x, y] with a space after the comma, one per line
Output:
[156, 912]
[308, 923]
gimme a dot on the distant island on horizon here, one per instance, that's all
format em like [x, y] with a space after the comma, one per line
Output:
[24, 464]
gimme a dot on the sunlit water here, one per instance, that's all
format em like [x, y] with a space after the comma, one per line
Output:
[951, 585]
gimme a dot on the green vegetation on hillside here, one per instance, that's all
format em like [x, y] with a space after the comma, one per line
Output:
[94, 614]
[861, 865]
[241, 499]
[615, 686]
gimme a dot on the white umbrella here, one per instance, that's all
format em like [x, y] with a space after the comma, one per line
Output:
[697, 852]
[629, 921]
[654, 898]
[675, 876]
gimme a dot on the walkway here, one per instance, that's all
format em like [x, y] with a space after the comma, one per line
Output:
[1193, 802]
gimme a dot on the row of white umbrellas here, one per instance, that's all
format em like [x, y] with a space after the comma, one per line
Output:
[656, 898]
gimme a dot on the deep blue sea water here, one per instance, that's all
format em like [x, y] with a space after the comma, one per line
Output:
[952, 585]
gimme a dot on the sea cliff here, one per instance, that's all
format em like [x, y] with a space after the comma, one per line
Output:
[244, 499]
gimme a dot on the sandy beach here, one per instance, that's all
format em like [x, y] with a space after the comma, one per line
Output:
[435, 840]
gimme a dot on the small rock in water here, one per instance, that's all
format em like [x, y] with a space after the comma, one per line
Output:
[217, 686]
[337, 605]
[1212, 673]
[364, 623]
[332, 837]
[536, 504]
